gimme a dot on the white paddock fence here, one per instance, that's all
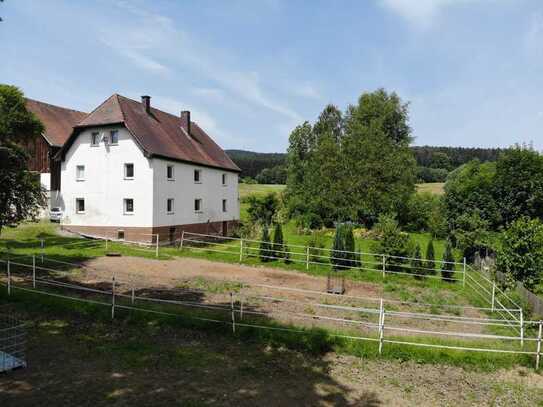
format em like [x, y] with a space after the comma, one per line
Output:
[378, 320]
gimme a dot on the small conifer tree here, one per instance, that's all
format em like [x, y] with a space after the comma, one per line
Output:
[447, 267]
[265, 245]
[278, 246]
[430, 257]
[338, 248]
[416, 263]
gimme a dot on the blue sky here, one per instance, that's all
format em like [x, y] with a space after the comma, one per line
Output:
[250, 71]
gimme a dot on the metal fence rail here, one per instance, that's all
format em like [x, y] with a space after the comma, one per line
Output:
[235, 312]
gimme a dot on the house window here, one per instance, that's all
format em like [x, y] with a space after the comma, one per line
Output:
[128, 206]
[80, 205]
[170, 173]
[80, 173]
[197, 176]
[224, 179]
[114, 137]
[129, 171]
[197, 205]
[224, 205]
[169, 205]
[95, 139]
[120, 234]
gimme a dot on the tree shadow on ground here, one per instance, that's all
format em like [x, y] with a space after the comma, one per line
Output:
[146, 360]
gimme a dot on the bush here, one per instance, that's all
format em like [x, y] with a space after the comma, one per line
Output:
[393, 242]
[316, 248]
[447, 268]
[423, 212]
[262, 209]
[520, 253]
[471, 235]
[265, 246]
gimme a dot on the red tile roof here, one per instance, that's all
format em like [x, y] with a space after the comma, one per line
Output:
[58, 121]
[158, 133]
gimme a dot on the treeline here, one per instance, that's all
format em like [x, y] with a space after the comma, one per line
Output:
[433, 163]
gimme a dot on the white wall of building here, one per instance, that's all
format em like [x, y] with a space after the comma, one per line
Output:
[184, 191]
[105, 187]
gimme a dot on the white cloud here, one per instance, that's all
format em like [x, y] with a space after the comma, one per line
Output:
[153, 36]
[307, 90]
[420, 13]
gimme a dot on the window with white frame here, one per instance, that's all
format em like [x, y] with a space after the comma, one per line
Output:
[224, 208]
[197, 176]
[79, 205]
[198, 205]
[128, 206]
[80, 172]
[169, 206]
[114, 137]
[120, 234]
[128, 171]
[170, 173]
[224, 179]
[95, 139]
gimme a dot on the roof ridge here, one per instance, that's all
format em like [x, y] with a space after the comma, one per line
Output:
[95, 109]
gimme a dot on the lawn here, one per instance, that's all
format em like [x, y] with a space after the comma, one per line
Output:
[432, 187]
[78, 356]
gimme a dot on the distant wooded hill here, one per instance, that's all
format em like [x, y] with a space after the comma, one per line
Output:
[434, 162]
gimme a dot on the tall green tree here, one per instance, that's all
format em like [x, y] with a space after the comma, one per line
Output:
[21, 195]
[338, 248]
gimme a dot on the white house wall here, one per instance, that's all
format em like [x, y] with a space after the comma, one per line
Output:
[105, 187]
[184, 191]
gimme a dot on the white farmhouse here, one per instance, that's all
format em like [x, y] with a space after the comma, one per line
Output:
[129, 170]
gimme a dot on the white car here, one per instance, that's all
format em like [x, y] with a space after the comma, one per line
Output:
[55, 214]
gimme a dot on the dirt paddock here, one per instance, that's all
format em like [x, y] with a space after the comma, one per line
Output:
[216, 279]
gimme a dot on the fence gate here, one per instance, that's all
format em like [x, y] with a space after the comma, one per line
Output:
[335, 284]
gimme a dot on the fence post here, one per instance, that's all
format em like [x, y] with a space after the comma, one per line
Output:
[384, 265]
[307, 258]
[33, 271]
[113, 298]
[241, 251]
[182, 239]
[133, 295]
[9, 279]
[106, 242]
[538, 353]
[381, 325]
[156, 248]
[521, 322]
[464, 275]
[233, 315]
[241, 305]
[42, 244]
[493, 295]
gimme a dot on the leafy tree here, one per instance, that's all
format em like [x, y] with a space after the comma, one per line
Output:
[422, 209]
[468, 189]
[430, 257]
[471, 235]
[273, 175]
[265, 246]
[447, 268]
[518, 184]
[278, 246]
[416, 263]
[520, 253]
[262, 209]
[352, 167]
[426, 174]
[21, 195]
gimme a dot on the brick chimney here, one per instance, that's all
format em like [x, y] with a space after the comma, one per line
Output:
[185, 121]
[146, 102]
